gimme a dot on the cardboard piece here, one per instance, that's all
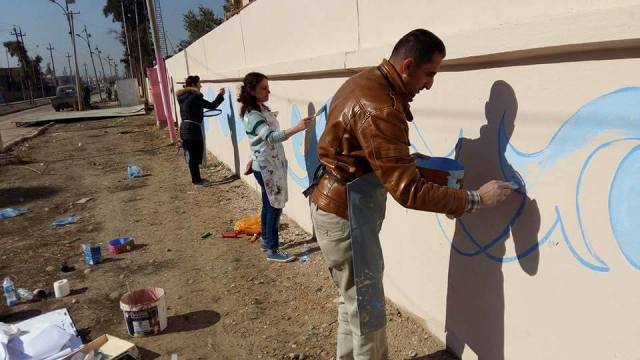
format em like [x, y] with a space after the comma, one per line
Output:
[111, 347]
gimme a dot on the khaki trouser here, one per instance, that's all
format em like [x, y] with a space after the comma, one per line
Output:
[333, 234]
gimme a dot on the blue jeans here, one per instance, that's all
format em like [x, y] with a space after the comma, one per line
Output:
[270, 218]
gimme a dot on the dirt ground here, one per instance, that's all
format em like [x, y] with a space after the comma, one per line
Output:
[225, 301]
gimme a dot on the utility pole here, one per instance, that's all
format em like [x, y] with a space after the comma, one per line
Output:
[88, 36]
[69, 60]
[126, 36]
[41, 73]
[69, 15]
[104, 76]
[115, 70]
[142, 77]
[53, 64]
[31, 84]
[109, 64]
[86, 74]
[162, 71]
[75, 56]
[15, 32]
[24, 68]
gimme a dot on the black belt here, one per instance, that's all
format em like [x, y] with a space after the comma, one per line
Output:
[321, 171]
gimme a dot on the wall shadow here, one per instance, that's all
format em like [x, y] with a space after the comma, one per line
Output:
[475, 291]
[231, 121]
[438, 355]
[311, 159]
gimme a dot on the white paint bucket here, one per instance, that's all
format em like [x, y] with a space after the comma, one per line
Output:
[145, 311]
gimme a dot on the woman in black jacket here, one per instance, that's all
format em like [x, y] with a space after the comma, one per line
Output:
[192, 105]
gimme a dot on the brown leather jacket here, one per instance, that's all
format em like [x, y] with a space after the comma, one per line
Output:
[366, 131]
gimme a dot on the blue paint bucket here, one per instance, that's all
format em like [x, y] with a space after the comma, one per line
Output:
[442, 171]
[120, 245]
[92, 254]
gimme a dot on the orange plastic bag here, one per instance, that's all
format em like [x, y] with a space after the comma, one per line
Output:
[249, 225]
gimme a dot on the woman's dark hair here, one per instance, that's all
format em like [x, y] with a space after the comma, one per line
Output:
[191, 81]
[246, 98]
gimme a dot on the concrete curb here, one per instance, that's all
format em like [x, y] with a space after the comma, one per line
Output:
[23, 109]
[22, 139]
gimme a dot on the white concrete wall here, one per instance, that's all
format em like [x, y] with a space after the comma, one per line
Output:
[576, 132]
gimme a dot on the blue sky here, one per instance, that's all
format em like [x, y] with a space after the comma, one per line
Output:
[44, 23]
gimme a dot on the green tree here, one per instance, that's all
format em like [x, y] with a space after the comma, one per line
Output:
[229, 7]
[198, 24]
[30, 68]
[113, 8]
[17, 50]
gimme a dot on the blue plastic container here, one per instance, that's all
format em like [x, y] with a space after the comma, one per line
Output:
[92, 254]
[120, 245]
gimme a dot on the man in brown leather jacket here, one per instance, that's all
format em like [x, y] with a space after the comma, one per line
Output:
[364, 154]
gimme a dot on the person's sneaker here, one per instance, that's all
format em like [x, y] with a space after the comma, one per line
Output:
[202, 183]
[279, 256]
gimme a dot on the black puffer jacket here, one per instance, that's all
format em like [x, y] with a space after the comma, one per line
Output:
[192, 105]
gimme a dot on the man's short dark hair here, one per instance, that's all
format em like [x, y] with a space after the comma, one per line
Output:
[419, 44]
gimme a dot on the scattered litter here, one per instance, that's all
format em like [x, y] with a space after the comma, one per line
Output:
[9, 290]
[145, 311]
[206, 235]
[232, 234]
[249, 225]
[84, 200]
[254, 237]
[48, 336]
[304, 257]
[12, 212]
[59, 222]
[120, 245]
[92, 254]
[24, 295]
[106, 347]
[40, 294]
[61, 288]
[134, 171]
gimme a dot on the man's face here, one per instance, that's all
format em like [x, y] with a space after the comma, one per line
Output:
[418, 77]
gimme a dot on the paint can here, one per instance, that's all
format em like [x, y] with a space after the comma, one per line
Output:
[145, 311]
[442, 171]
[92, 254]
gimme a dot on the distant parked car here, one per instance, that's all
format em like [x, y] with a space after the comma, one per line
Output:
[66, 97]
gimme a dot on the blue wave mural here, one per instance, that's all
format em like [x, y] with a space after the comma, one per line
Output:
[616, 114]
